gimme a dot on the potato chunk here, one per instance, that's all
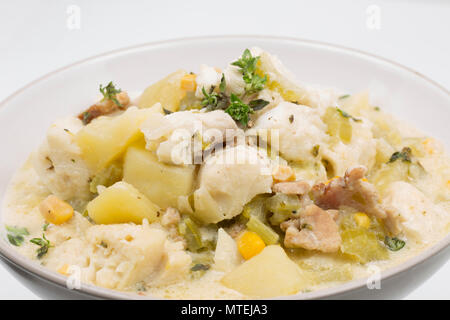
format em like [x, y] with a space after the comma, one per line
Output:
[167, 91]
[161, 183]
[122, 203]
[271, 273]
[106, 138]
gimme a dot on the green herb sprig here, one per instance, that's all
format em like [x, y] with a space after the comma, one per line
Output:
[109, 93]
[16, 235]
[247, 64]
[238, 110]
[43, 243]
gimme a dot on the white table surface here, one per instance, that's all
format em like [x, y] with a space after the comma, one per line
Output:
[35, 40]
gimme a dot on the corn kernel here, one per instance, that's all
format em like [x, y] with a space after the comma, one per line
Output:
[283, 173]
[55, 211]
[64, 270]
[362, 220]
[188, 82]
[250, 244]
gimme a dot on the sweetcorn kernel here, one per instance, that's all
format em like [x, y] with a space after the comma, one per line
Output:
[362, 220]
[250, 244]
[55, 211]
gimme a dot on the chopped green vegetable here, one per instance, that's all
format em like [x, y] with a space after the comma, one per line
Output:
[404, 155]
[247, 63]
[238, 110]
[361, 244]
[44, 245]
[45, 226]
[16, 235]
[256, 207]
[107, 177]
[344, 96]
[264, 231]
[200, 267]
[109, 93]
[394, 244]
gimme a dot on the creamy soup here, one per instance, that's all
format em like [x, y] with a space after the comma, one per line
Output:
[232, 183]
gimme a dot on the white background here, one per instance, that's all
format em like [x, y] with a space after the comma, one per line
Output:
[35, 39]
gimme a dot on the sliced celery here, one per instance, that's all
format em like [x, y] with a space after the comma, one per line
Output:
[107, 177]
[264, 231]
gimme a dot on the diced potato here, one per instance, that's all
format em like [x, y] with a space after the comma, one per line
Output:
[161, 183]
[122, 203]
[250, 244]
[106, 138]
[226, 256]
[55, 211]
[167, 91]
[271, 273]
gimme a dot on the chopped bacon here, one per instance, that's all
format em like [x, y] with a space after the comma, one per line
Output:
[104, 107]
[293, 187]
[350, 190]
[315, 229]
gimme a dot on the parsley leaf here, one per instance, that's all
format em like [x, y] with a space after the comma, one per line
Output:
[247, 63]
[43, 244]
[238, 110]
[404, 155]
[16, 235]
[109, 93]
[394, 244]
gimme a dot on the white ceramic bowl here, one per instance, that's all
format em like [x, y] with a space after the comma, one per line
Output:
[25, 116]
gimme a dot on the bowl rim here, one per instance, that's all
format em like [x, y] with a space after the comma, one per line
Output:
[33, 268]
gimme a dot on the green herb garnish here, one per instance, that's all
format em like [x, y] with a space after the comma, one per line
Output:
[247, 63]
[344, 96]
[109, 93]
[238, 110]
[258, 104]
[394, 244]
[45, 226]
[404, 155]
[214, 100]
[16, 235]
[346, 115]
[43, 244]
